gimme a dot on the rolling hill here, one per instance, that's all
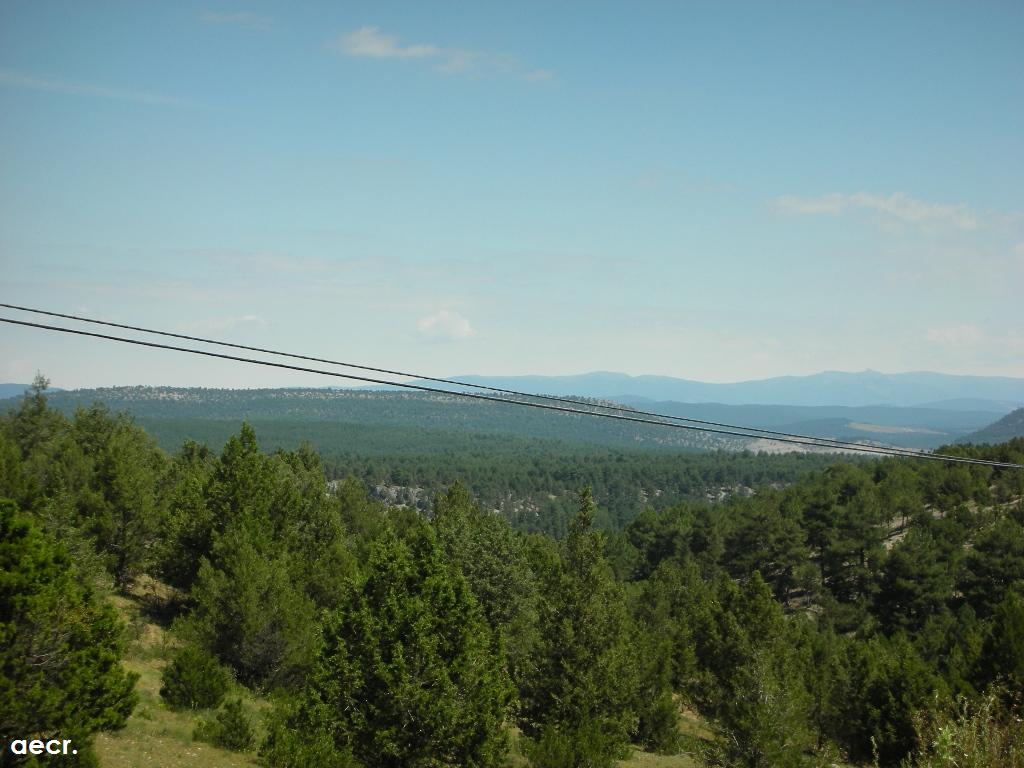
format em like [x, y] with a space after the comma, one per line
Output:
[431, 421]
[1007, 428]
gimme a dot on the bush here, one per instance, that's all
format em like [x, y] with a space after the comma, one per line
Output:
[981, 736]
[587, 747]
[193, 680]
[290, 747]
[230, 728]
[659, 725]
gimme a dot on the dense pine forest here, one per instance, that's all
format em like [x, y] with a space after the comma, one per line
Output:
[857, 612]
[408, 448]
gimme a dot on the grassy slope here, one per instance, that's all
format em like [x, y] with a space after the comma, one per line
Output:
[155, 735]
[162, 738]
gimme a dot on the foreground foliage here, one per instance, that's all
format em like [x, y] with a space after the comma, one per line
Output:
[839, 617]
[982, 735]
[409, 673]
[193, 680]
[60, 646]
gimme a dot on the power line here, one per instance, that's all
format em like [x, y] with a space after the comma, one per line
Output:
[770, 433]
[806, 441]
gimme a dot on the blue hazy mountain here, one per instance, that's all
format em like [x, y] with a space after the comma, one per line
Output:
[17, 390]
[941, 391]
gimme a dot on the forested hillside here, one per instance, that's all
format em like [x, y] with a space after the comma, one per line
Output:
[285, 415]
[869, 612]
[407, 448]
[1007, 428]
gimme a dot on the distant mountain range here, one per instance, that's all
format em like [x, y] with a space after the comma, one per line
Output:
[17, 390]
[995, 394]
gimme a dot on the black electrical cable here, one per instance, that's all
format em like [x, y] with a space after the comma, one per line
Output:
[807, 441]
[769, 433]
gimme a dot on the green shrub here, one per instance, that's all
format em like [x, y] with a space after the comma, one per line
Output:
[659, 725]
[985, 735]
[586, 747]
[230, 728]
[289, 747]
[193, 680]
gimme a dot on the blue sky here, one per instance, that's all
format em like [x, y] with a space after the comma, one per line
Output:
[717, 191]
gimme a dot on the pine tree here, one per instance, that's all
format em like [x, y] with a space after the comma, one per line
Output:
[1003, 653]
[60, 646]
[583, 679]
[994, 565]
[187, 528]
[409, 674]
[754, 687]
[883, 684]
[915, 583]
[493, 559]
[249, 612]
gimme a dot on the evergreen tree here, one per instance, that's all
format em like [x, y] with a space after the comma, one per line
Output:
[193, 680]
[249, 613]
[994, 565]
[885, 683]
[60, 646]
[755, 687]
[34, 425]
[768, 540]
[584, 675]
[121, 512]
[409, 674]
[307, 522]
[493, 559]
[952, 644]
[915, 583]
[1003, 652]
[187, 528]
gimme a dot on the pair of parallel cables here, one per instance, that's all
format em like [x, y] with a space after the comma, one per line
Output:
[498, 394]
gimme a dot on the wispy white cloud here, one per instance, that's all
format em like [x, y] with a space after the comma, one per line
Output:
[955, 335]
[833, 204]
[32, 82]
[896, 205]
[372, 43]
[243, 19]
[445, 324]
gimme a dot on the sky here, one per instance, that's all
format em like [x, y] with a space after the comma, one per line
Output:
[714, 191]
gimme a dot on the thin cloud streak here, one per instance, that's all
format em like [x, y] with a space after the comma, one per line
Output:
[955, 335]
[897, 205]
[59, 85]
[371, 43]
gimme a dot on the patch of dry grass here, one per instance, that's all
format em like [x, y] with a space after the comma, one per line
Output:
[156, 735]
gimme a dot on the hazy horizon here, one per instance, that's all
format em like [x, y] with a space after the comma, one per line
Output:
[310, 382]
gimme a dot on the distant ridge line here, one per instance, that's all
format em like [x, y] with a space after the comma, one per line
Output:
[797, 439]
